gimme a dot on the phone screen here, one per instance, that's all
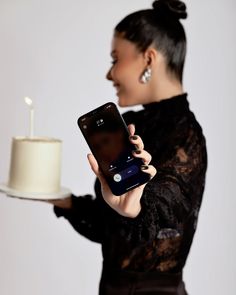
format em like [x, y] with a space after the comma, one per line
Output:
[108, 138]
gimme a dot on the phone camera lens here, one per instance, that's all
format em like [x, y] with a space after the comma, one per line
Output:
[85, 126]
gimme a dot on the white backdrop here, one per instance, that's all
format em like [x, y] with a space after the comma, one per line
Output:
[57, 52]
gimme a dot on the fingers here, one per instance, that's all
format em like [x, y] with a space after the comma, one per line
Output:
[63, 203]
[137, 141]
[131, 129]
[149, 169]
[144, 155]
[140, 152]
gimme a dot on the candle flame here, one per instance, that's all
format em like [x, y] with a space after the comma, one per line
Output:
[28, 101]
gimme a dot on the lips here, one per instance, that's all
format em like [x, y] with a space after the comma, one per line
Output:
[117, 87]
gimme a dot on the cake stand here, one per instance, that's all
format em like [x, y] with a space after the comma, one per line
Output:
[62, 194]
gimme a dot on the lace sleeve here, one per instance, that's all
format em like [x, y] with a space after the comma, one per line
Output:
[86, 216]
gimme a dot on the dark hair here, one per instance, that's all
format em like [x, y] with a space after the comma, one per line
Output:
[159, 26]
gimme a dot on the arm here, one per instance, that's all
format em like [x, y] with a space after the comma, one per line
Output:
[84, 213]
[87, 215]
[173, 197]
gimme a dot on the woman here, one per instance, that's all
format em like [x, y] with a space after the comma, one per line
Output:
[146, 234]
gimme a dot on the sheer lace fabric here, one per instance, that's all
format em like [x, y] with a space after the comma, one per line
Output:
[160, 237]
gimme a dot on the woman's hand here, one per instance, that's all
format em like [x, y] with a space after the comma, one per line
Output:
[65, 203]
[127, 204]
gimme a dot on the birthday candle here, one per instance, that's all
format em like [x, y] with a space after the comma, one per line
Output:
[29, 102]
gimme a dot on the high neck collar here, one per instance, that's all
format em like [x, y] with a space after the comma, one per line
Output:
[175, 103]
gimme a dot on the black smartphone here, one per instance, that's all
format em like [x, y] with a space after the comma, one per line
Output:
[108, 138]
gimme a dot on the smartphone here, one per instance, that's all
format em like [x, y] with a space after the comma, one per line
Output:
[108, 138]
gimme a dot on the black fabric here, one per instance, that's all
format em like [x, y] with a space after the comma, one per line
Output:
[115, 282]
[159, 238]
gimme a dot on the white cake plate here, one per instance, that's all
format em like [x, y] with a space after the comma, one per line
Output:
[63, 193]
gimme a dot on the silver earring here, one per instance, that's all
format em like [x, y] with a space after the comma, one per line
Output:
[146, 76]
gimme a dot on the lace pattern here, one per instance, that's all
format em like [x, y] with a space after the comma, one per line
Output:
[160, 237]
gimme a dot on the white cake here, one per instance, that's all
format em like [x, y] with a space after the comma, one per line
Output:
[35, 165]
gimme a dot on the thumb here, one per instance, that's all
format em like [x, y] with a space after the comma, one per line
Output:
[131, 128]
[94, 166]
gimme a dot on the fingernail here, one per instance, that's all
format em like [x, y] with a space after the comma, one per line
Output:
[144, 167]
[138, 152]
[134, 137]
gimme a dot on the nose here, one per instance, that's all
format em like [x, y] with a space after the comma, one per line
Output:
[109, 75]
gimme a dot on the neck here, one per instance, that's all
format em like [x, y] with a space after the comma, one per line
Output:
[166, 89]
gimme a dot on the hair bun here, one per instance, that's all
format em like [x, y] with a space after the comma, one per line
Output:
[175, 8]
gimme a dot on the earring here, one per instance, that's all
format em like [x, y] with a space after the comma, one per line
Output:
[146, 76]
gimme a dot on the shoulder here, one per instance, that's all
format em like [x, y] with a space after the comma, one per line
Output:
[132, 116]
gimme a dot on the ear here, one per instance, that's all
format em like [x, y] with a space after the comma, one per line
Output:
[150, 56]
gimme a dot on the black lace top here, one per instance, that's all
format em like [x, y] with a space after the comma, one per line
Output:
[159, 238]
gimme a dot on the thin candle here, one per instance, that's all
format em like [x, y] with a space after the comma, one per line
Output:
[29, 102]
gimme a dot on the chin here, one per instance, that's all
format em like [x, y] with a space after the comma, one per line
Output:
[124, 102]
[121, 104]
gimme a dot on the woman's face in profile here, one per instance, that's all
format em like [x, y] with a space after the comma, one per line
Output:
[128, 64]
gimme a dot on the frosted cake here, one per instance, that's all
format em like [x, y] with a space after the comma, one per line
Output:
[35, 165]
